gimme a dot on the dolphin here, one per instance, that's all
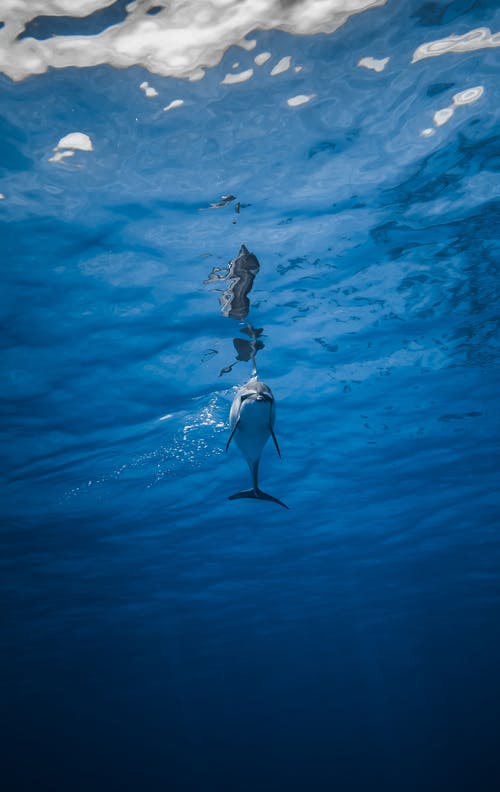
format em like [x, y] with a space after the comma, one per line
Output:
[252, 423]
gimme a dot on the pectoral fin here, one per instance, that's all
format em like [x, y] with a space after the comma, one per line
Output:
[275, 441]
[232, 433]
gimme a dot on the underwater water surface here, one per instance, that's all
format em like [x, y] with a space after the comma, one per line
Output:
[155, 635]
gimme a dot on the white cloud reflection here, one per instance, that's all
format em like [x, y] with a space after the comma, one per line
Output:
[181, 40]
[479, 38]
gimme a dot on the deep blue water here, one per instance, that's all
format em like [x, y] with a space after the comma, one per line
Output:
[156, 636]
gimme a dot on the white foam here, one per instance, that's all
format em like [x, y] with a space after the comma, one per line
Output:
[300, 99]
[246, 44]
[377, 65]
[479, 38]
[75, 140]
[181, 41]
[2, 197]
[282, 66]
[148, 89]
[230, 79]
[442, 116]
[262, 58]
[427, 132]
[60, 155]
[173, 104]
[468, 96]
[67, 145]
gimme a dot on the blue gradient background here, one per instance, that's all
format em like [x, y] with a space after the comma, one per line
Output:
[155, 635]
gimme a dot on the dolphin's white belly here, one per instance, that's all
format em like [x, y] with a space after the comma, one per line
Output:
[251, 419]
[254, 427]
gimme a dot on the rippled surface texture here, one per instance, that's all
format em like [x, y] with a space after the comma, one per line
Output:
[157, 636]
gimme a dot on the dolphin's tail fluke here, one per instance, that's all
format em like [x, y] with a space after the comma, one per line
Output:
[258, 495]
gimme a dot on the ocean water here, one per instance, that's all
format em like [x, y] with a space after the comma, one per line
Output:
[155, 635]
